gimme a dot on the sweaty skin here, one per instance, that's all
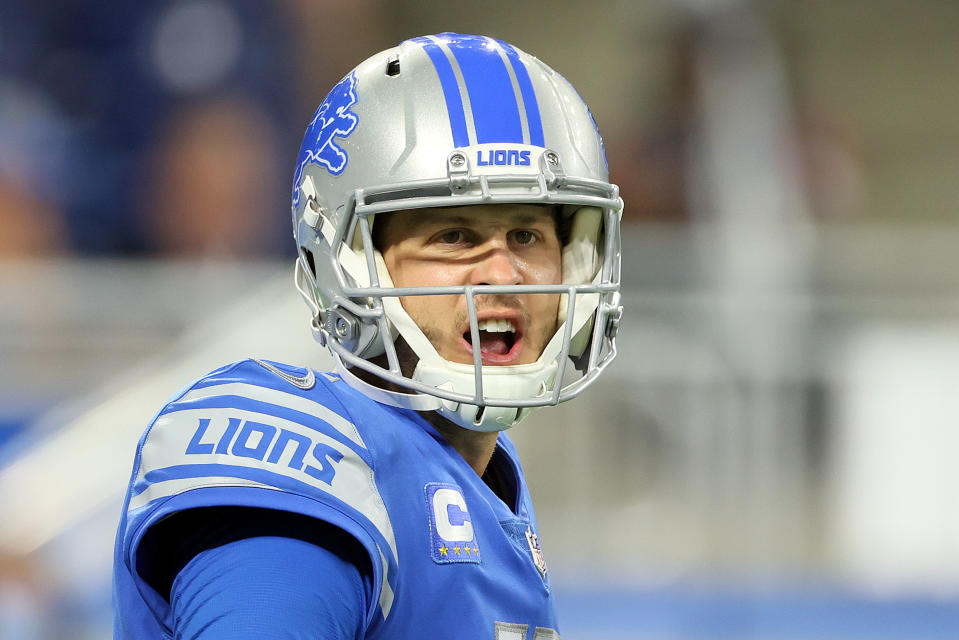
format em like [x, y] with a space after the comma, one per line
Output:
[481, 244]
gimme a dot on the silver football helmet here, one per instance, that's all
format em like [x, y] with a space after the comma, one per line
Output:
[441, 121]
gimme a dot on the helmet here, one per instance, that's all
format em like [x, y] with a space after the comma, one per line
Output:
[442, 121]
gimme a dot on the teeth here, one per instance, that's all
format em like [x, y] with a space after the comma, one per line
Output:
[496, 326]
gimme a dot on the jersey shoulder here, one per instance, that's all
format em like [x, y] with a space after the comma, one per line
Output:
[266, 435]
[255, 422]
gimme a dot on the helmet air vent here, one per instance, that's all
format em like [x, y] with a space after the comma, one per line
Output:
[393, 66]
[478, 418]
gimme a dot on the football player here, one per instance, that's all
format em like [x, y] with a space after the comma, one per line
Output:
[458, 248]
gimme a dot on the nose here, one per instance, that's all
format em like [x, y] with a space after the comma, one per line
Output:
[497, 265]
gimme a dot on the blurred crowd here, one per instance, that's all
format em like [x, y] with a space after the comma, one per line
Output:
[168, 128]
[156, 127]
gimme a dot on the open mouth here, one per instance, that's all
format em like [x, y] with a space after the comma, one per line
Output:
[499, 340]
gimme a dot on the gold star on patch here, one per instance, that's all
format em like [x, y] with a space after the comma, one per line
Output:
[444, 550]
[476, 550]
[456, 550]
[467, 550]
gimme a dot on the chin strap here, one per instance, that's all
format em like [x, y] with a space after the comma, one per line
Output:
[487, 419]
[508, 382]
[414, 401]
[465, 415]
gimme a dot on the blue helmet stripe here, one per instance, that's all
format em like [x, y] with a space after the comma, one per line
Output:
[495, 111]
[454, 104]
[533, 118]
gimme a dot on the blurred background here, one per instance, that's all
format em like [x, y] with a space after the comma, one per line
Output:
[774, 453]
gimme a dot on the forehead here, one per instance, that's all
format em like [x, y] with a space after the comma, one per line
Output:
[483, 215]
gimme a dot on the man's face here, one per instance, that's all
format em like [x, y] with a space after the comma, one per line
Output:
[499, 244]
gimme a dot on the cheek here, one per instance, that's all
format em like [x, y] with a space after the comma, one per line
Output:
[546, 268]
[549, 309]
[430, 312]
[416, 306]
[410, 272]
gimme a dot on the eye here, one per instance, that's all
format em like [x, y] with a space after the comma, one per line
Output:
[450, 236]
[524, 237]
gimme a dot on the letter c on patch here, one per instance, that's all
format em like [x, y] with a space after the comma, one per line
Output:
[452, 520]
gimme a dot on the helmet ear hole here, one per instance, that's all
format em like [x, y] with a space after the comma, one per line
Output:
[309, 260]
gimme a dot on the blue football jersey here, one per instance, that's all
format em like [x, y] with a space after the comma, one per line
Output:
[450, 559]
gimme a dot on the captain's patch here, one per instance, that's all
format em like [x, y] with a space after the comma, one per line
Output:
[452, 536]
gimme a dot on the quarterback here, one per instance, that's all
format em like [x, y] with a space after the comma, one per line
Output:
[458, 248]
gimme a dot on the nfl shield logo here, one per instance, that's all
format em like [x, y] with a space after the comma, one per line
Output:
[536, 552]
